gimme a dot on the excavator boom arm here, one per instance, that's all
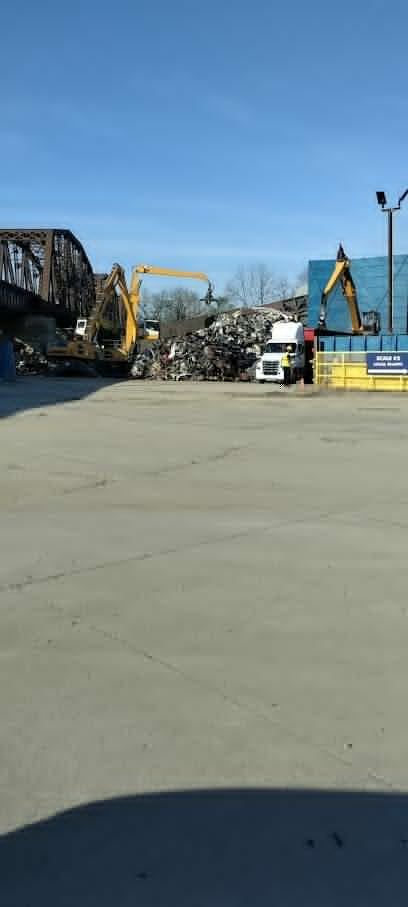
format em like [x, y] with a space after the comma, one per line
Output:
[117, 280]
[170, 272]
[342, 274]
[139, 270]
[131, 320]
[350, 294]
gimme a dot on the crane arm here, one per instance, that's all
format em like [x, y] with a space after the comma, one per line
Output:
[170, 272]
[350, 294]
[136, 282]
[119, 281]
[341, 273]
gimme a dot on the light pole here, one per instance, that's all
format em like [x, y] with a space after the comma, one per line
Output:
[382, 201]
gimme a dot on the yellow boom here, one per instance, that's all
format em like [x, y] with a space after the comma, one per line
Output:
[116, 280]
[136, 282]
[369, 322]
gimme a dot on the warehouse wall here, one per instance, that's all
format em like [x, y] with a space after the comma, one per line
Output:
[370, 277]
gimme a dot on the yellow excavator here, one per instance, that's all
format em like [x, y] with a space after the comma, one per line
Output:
[361, 322]
[89, 346]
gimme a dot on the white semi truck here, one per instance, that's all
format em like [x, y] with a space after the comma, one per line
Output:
[284, 334]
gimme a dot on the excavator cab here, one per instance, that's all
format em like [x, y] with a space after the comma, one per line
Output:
[371, 322]
[150, 329]
[81, 327]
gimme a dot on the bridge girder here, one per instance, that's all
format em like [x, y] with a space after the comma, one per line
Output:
[52, 266]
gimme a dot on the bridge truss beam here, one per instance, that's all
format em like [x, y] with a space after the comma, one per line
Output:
[51, 265]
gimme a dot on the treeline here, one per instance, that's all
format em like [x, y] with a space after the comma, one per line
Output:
[250, 287]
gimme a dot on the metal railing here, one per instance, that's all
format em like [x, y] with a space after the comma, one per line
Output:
[349, 371]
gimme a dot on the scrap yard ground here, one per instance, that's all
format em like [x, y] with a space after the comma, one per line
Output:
[202, 587]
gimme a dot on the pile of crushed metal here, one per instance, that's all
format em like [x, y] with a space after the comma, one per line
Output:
[225, 350]
[29, 359]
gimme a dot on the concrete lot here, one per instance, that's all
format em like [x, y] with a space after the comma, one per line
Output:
[203, 588]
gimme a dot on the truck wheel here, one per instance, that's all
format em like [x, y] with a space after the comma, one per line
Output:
[261, 381]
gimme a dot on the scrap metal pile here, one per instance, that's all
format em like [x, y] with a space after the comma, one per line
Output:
[29, 359]
[226, 350]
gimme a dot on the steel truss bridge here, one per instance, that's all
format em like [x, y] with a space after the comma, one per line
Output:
[45, 272]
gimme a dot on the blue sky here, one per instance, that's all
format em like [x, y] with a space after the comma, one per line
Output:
[206, 134]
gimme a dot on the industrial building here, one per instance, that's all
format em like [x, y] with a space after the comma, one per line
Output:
[370, 277]
[362, 360]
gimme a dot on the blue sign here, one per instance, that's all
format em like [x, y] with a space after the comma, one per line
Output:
[387, 363]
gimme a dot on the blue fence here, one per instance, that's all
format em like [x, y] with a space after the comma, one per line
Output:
[380, 343]
[370, 277]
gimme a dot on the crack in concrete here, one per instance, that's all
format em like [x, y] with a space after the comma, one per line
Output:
[197, 461]
[235, 702]
[143, 556]
[265, 528]
[97, 483]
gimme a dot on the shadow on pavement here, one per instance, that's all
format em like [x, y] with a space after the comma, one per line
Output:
[214, 848]
[34, 391]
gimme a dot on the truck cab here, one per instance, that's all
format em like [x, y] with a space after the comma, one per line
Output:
[284, 334]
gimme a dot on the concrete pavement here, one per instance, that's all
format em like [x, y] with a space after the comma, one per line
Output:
[202, 586]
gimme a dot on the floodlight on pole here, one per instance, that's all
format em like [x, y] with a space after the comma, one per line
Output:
[389, 211]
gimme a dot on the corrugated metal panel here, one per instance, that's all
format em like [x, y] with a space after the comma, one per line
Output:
[370, 277]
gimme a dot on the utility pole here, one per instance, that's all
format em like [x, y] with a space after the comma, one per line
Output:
[390, 215]
[382, 201]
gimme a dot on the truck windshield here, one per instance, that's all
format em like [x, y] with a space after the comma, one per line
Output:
[279, 347]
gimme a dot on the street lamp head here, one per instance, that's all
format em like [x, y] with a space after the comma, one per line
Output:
[402, 197]
[381, 198]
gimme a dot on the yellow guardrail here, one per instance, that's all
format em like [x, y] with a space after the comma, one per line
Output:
[349, 371]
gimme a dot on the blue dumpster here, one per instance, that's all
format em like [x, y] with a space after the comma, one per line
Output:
[7, 361]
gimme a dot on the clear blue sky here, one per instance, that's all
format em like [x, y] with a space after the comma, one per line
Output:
[206, 134]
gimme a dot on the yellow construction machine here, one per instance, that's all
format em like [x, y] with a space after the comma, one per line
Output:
[361, 322]
[90, 347]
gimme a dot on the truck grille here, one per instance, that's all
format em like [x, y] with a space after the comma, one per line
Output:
[270, 368]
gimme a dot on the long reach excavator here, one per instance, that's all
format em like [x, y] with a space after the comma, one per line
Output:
[90, 346]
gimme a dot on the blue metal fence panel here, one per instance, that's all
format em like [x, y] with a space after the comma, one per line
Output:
[370, 277]
[357, 344]
[372, 344]
[389, 342]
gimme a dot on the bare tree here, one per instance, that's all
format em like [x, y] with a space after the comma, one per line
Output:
[172, 305]
[183, 304]
[282, 289]
[302, 277]
[297, 304]
[255, 285]
[219, 305]
[146, 307]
